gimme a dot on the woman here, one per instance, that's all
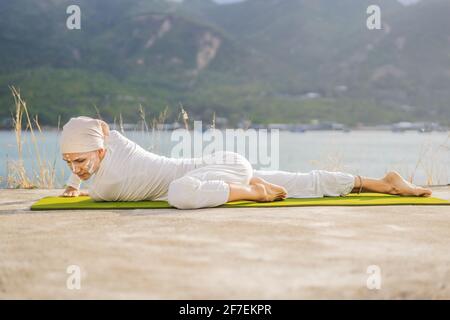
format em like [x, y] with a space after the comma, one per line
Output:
[123, 171]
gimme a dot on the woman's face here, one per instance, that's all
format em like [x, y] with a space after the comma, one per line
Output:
[84, 164]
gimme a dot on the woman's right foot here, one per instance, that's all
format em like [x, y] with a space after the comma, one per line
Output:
[400, 186]
[267, 192]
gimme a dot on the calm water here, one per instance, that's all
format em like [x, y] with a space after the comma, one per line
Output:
[370, 153]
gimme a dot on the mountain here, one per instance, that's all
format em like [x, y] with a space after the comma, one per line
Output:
[408, 64]
[266, 61]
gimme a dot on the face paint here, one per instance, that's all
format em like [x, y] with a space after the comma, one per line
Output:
[90, 166]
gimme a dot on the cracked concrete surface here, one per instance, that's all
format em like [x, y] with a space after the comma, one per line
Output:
[250, 253]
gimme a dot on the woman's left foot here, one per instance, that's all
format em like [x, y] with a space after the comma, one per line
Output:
[274, 191]
[399, 186]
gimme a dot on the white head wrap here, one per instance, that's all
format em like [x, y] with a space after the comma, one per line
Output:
[82, 134]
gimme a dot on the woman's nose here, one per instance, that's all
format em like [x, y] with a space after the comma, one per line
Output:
[75, 169]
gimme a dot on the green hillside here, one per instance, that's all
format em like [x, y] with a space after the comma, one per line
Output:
[255, 60]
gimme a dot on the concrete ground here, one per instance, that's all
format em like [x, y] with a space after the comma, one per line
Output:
[251, 253]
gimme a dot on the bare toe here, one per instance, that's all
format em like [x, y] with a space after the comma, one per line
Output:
[423, 192]
[400, 186]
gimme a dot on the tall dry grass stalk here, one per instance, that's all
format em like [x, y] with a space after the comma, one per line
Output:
[143, 121]
[121, 123]
[43, 173]
[185, 117]
[158, 124]
[431, 164]
[432, 160]
[213, 122]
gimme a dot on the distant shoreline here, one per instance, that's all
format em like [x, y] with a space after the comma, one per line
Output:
[403, 126]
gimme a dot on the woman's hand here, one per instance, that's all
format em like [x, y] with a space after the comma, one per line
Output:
[72, 192]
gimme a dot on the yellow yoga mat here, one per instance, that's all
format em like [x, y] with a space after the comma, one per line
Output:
[365, 199]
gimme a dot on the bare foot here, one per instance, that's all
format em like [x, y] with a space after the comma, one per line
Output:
[400, 186]
[268, 191]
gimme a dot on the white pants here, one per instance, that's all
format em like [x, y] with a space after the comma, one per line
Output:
[208, 185]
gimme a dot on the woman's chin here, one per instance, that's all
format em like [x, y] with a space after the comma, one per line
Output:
[84, 176]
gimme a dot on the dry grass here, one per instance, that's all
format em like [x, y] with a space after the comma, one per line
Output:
[431, 163]
[185, 117]
[43, 173]
[157, 127]
[432, 160]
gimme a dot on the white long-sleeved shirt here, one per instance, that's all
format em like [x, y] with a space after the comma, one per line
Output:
[130, 173]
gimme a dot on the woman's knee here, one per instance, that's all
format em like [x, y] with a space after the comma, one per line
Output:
[183, 193]
[245, 169]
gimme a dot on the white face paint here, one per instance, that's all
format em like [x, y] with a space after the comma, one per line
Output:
[90, 166]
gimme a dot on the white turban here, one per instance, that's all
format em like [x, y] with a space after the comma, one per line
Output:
[82, 134]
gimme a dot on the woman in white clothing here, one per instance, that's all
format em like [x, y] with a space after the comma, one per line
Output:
[123, 171]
